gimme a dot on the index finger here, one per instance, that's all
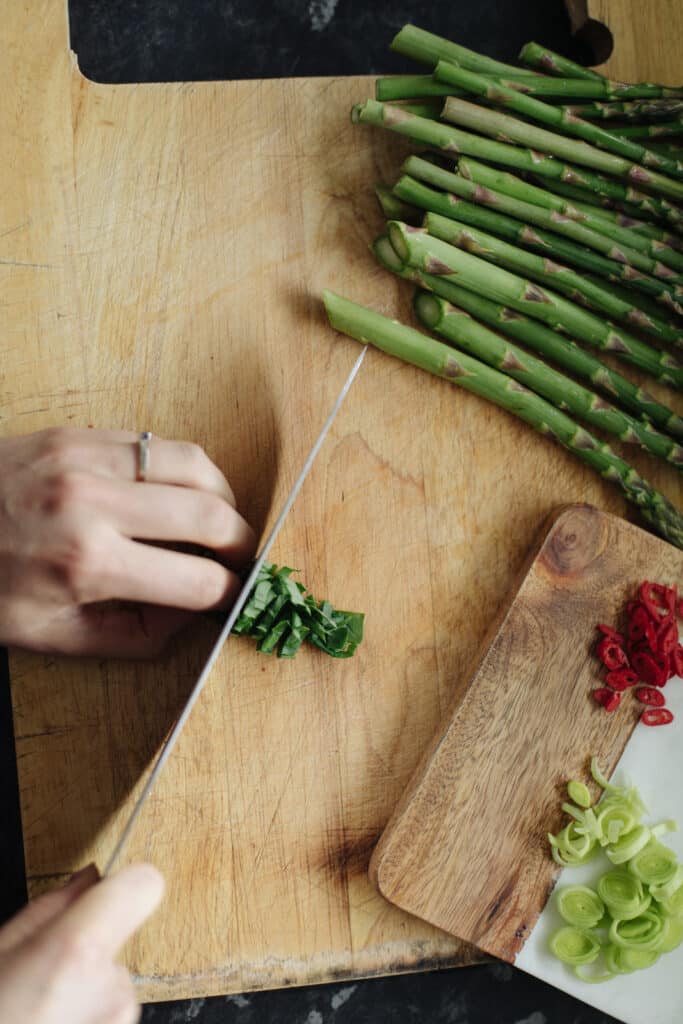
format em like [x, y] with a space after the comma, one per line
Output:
[109, 912]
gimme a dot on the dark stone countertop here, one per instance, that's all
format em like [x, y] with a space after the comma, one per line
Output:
[166, 40]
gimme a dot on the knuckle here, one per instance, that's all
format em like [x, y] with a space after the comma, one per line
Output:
[64, 492]
[57, 443]
[215, 520]
[78, 567]
[194, 457]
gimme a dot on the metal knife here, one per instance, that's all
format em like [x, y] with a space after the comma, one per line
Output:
[172, 737]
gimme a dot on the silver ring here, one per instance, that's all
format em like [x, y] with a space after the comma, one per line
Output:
[144, 442]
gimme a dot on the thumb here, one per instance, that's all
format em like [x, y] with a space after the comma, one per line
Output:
[108, 913]
[37, 914]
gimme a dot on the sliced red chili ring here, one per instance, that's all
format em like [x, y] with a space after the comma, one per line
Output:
[607, 698]
[656, 716]
[638, 622]
[679, 608]
[652, 669]
[651, 635]
[667, 638]
[611, 654]
[657, 598]
[677, 659]
[621, 678]
[611, 633]
[650, 695]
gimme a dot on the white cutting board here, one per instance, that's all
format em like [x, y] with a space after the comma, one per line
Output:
[653, 758]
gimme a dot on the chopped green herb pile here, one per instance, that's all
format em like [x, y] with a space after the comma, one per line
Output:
[635, 912]
[280, 615]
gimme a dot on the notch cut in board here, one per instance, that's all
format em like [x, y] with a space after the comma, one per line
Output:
[466, 848]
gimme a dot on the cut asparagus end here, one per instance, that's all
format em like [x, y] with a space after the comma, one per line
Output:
[386, 255]
[395, 230]
[428, 309]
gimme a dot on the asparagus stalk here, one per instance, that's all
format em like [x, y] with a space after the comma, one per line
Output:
[581, 290]
[632, 210]
[456, 325]
[394, 208]
[518, 189]
[549, 343]
[580, 201]
[428, 48]
[542, 268]
[549, 62]
[425, 109]
[632, 152]
[562, 350]
[410, 87]
[425, 252]
[636, 110]
[459, 368]
[575, 88]
[651, 131]
[455, 142]
[503, 127]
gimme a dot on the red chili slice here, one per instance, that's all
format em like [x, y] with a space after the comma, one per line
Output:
[667, 638]
[621, 679]
[638, 623]
[611, 654]
[611, 633]
[649, 695]
[658, 599]
[679, 608]
[677, 659]
[607, 698]
[651, 668]
[656, 716]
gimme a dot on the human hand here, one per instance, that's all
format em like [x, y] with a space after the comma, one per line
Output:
[73, 526]
[56, 955]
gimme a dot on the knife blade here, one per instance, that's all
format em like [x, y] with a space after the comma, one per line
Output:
[179, 724]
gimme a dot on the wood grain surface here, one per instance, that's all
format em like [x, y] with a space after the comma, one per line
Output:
[162, 253]
[467, 848]
[647, 37]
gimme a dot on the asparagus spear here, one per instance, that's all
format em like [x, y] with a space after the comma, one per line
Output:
[610, 207]
[604, 141]
[549, 343]
[428, 108]
[548, 61]
[428, 48]
[459, 368]
[542, 268]
[503, 127]
[453, 141]
[547, 192]
[651, 131]
[409, 87]
[635, 110]
[425, 252]
[516, 188]
[456, 325]
[394, 208]
[575, 88]
[581, 290]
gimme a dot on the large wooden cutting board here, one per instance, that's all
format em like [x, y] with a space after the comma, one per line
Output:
[162, 252]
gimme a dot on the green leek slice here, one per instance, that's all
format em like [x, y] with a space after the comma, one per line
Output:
[580, 906]
[628, 845]
[574, 946]
[579, 793]
[622, 894]
[644, 932]
[654, 865]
